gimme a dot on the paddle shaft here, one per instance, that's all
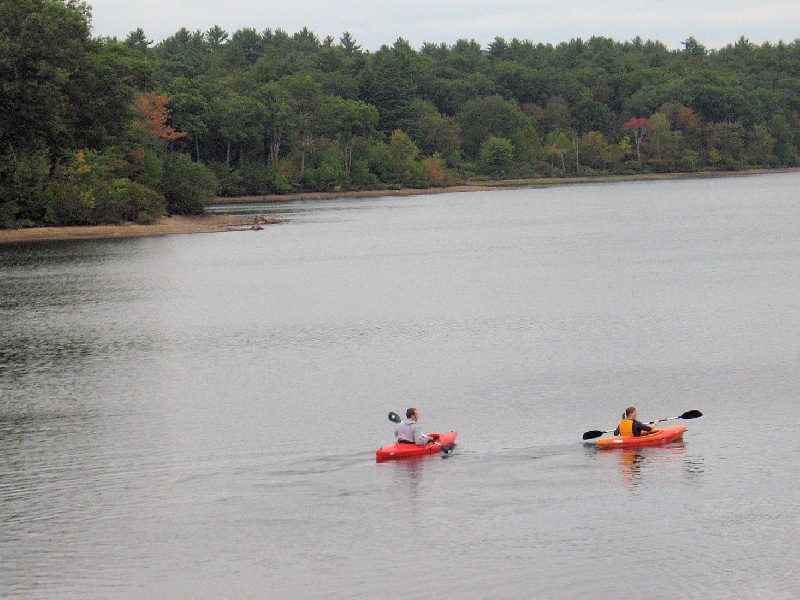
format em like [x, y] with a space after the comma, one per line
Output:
[662, 420]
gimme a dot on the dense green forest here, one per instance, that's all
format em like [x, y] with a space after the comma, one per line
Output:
[98, 130]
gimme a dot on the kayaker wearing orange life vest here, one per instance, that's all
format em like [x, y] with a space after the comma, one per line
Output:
[409, 432]
[629, 426]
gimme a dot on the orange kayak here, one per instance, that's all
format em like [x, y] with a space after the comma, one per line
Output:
[398, 450]
[657, 437]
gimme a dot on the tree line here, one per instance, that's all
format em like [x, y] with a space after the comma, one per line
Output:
[97, 130]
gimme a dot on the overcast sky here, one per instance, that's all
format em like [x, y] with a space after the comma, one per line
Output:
[714, 23]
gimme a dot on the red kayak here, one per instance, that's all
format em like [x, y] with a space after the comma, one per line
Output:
[658, 437]
[398, 450]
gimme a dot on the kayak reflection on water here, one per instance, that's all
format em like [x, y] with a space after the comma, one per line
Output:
[635, 462]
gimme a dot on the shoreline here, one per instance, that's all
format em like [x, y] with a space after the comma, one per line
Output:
[212, 223]
[483, 186]
[207, 223]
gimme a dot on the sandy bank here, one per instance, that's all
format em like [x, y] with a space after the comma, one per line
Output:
[165, 226]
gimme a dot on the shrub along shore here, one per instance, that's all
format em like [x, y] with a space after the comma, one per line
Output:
[210, 223]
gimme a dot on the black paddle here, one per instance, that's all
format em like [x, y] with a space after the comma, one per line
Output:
[689, 414]
[446, 448]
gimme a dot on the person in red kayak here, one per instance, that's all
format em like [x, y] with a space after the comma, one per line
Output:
[630, 427]
[409, 431]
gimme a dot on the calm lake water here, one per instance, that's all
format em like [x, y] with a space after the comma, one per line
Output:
[196, 416]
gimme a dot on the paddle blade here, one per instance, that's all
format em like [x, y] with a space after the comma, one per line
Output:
[394, 417]
[691, 414]
[590, 435]
[445, 448]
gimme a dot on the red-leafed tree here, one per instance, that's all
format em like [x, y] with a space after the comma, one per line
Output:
[640, 126]
[151, 116]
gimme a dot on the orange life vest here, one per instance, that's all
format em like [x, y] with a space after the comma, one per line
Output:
[626, 428]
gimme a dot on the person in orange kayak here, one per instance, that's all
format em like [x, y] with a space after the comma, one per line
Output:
[630, 426]
[409, 431]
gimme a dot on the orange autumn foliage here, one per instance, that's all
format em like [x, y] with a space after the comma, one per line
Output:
[436, 174]
[151, 115]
